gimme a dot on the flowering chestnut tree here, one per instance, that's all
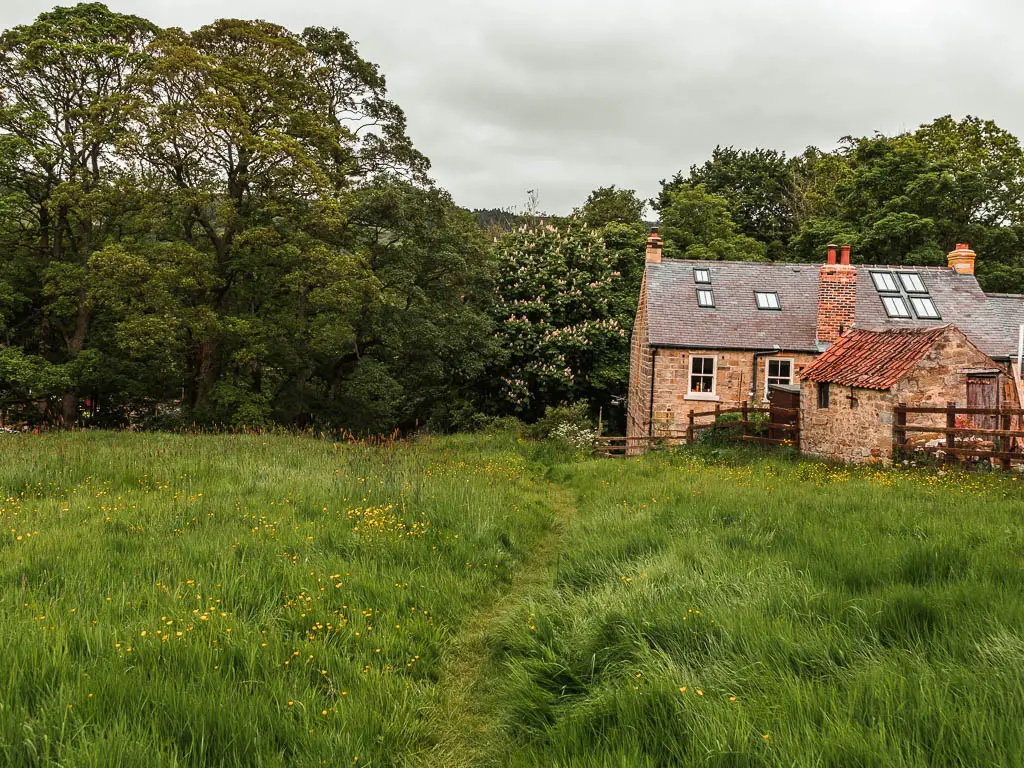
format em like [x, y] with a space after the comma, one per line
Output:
[556, 315]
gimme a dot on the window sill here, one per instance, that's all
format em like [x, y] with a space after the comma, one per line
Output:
[707, 396]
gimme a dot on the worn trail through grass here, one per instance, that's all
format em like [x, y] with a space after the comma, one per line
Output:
[468, 732]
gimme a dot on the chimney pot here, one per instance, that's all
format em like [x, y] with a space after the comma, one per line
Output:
[844, 255]
[832, 253]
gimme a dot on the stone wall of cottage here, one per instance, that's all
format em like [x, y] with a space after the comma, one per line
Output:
[673, 400]
[638, 399]
[857, 425]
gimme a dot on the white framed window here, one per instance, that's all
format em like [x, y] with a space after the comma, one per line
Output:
[885, 282]
[912, 282]
[777, 370]
[895, 306]
[701, 275]
[702, 374]
[924, 308]
[767, 300]
[705, 298]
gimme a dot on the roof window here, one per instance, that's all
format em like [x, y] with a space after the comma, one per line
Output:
[702, 275]
[912, 282]
[924, 308]
[885, 282]
[895, 306]
[767, 300]
[705, 298]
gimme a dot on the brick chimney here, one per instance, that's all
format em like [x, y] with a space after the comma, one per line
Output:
[654, 243]
[837, 295]
[961, 260]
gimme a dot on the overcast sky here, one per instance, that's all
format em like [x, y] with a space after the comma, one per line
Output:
[563, 96]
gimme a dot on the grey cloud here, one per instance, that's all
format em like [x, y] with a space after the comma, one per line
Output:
[567, 95]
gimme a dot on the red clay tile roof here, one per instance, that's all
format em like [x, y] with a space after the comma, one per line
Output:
[873, 359]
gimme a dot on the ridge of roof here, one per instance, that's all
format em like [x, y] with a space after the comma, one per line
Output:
[874, 359]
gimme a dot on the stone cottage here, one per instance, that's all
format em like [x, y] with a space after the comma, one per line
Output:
[710, 332]
[848, 394]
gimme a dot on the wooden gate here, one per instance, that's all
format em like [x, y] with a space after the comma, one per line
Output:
[784, 413]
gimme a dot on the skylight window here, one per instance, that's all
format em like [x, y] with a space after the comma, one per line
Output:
[912, 282]
[702, 275]
[885, 282]
[924, 308]
[767, 300]
[908, 291]
[705, 298]
[895, 306]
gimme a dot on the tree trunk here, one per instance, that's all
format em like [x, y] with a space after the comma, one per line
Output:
[75, 344]
[205, 375]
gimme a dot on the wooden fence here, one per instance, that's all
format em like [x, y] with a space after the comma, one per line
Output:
[781, 428]
[622, 446]
[1004, 444]
[781, 421]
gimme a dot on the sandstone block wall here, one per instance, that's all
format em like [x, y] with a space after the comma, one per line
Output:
[673, 401]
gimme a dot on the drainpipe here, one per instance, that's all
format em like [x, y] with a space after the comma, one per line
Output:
[1020, 351]
[650, 412]
[753, 379]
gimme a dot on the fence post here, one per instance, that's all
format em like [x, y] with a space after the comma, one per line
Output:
[951, 424]
[1005, 441]
[899, 437]
[689, 428]
[746, 415]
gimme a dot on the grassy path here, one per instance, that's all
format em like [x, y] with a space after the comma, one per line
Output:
[466, 723]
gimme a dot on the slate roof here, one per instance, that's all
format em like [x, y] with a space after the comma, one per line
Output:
[674, 319]
[873, 359]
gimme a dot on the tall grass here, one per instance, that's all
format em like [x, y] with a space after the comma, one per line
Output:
[243, 600]
[260, 601]
[743, 610]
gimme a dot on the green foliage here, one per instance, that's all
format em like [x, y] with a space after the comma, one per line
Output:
[607, 205]
[696, 224]
[758, 187]
[232, 221]
[576, 416]
[555, 313]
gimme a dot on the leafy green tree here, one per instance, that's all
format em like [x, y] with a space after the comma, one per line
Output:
[65, 104]
[696, 224]
[758, 187]
[606, 205]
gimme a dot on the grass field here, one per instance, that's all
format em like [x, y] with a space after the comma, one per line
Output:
[244, 600]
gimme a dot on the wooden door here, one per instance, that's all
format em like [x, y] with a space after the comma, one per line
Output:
[982, 393]
[784, 408]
